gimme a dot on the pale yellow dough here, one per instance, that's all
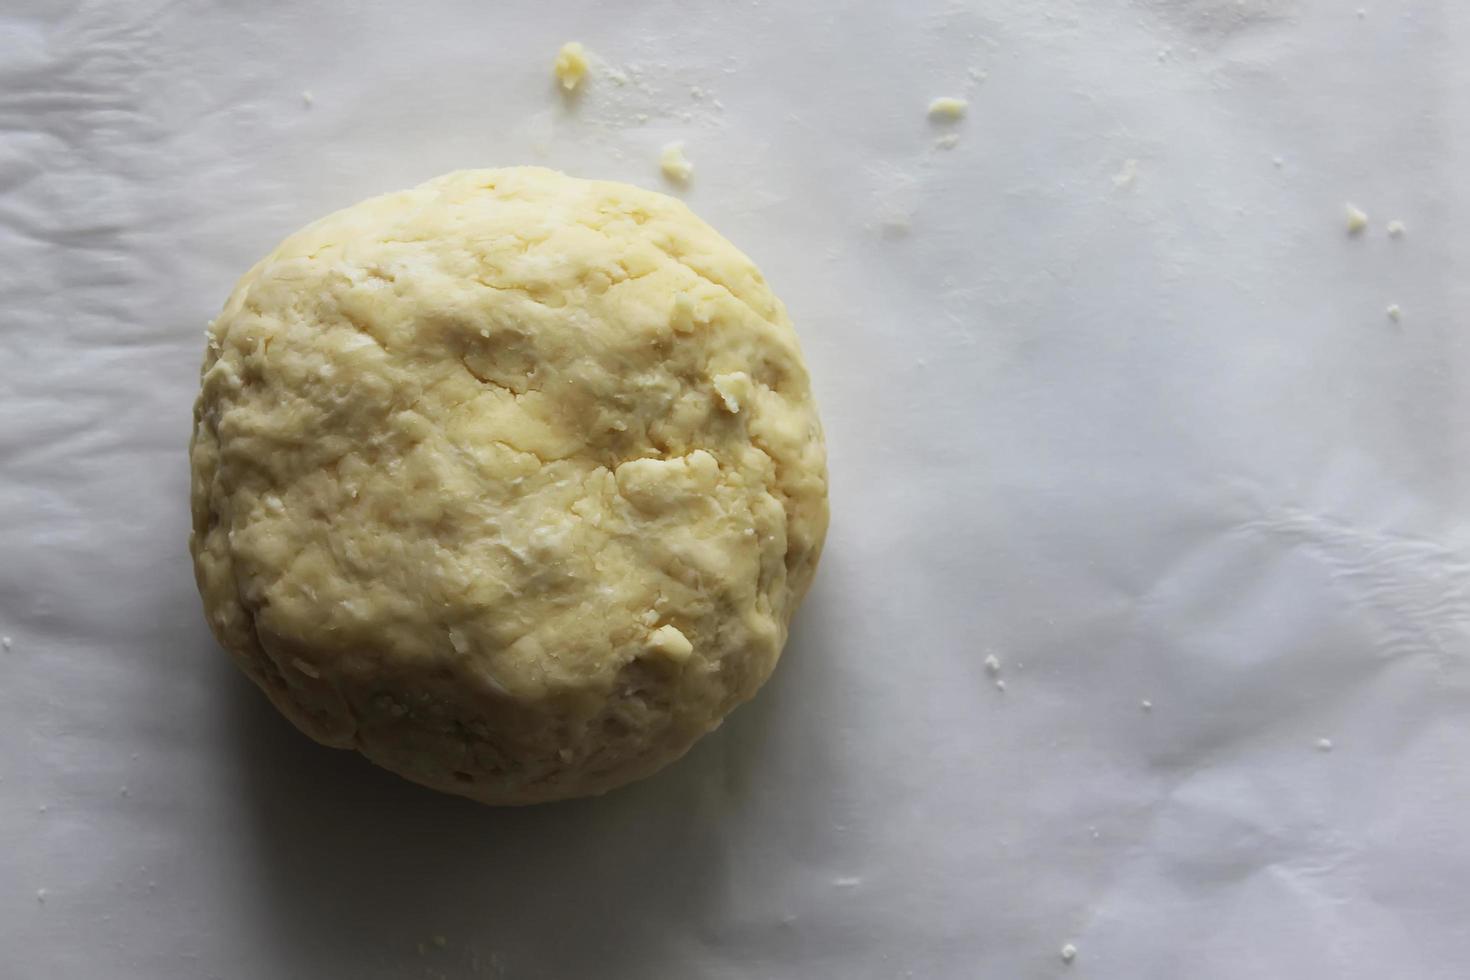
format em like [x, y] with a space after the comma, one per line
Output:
[570, 66]
[511, 481]
[675, 165]
[948, 108]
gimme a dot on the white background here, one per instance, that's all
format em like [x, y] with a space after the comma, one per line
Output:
[1149, 438]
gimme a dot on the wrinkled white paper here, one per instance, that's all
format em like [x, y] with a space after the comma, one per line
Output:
[1111, 394]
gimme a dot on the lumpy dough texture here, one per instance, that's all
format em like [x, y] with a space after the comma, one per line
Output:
[511, 481]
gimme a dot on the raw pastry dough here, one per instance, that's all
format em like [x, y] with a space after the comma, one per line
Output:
[511, 481]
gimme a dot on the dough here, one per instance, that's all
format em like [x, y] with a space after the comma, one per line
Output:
[511, 481]
[675, 165]
[570, 66]
[948, 108]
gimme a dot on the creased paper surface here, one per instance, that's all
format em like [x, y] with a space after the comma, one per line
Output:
[1112, 395]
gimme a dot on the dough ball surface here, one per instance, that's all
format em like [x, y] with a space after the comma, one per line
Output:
[511, 481]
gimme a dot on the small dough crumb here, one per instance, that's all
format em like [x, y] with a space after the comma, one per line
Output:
[948, 108]
[673, 644]
[1069, 953]
[674, 163]
[1125, 177]
[992, 663]
[5, 642]
[307, 99]
[1324, 745]
[1357, 220]
[1396, 229]
[1146, 704]
[41, 895]
[570, 66]
[1395, 313]
[948, 141]
[1000, 685]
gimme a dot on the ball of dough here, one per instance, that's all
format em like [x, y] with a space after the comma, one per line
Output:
[511, 481]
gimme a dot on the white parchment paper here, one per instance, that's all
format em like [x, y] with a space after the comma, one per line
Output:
[1111, 396]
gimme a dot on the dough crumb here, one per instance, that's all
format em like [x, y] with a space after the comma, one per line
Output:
[992, 663]
[307, 99]
[668, 641]
[674, 163]
[1396, 229]
[1126, 177]
[948, 108]
[948, 141]
[897, 226]
[1069, 953]
[570, 66]
[1357, 219]
[6, 642]
[1146, 704]
[1000, 685]
[1324, 745]
[41, 895]
[1278, 162]
[1395, 313]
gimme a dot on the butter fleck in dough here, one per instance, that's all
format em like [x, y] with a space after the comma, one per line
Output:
[511, 482]
[570, 66]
